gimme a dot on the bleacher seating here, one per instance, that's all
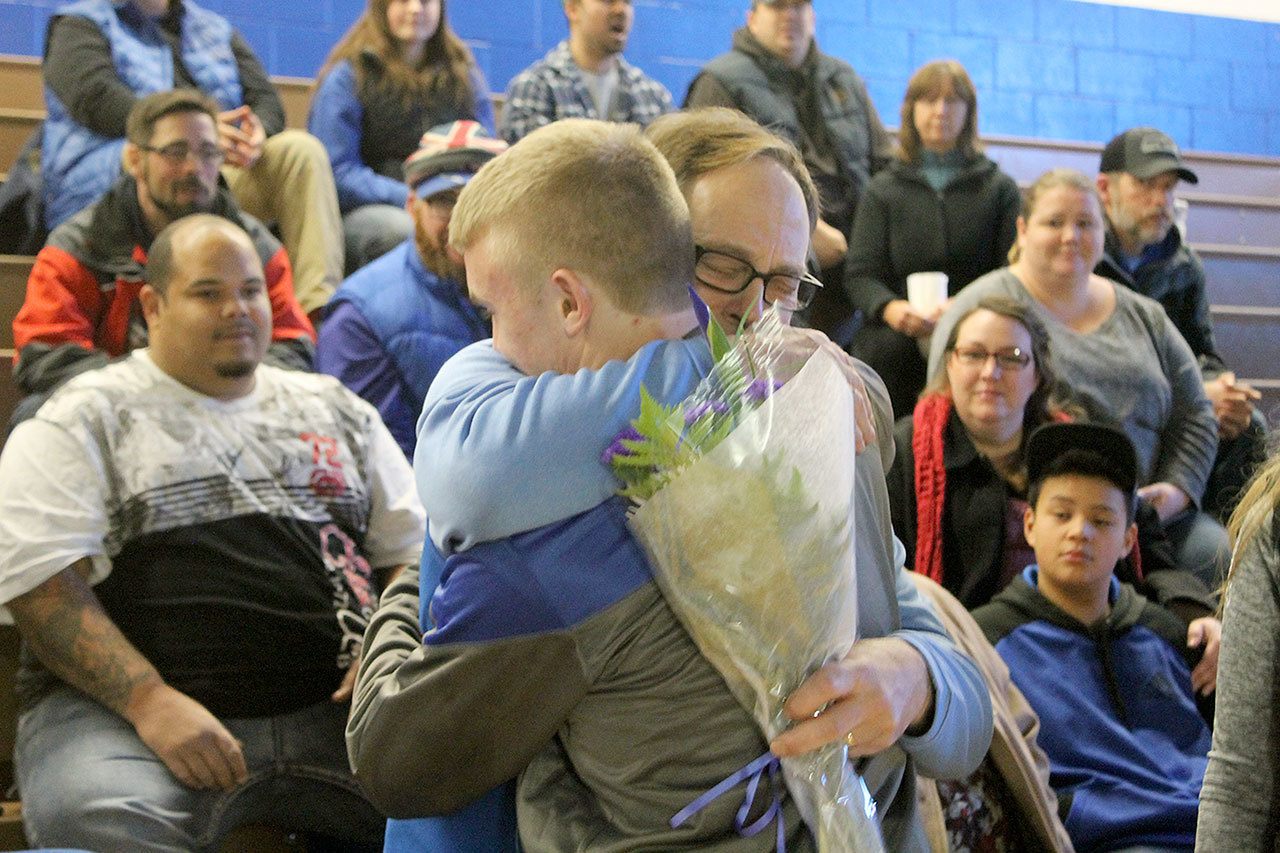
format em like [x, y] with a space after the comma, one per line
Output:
[1234, 219]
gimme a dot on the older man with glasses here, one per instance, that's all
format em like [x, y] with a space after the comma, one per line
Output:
[775, 73]
[81, 306]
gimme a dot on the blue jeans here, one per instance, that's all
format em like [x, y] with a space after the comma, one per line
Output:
[372, 230]
[1200, 545]
[87, 780]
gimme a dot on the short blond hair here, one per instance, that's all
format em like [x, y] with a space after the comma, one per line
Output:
[696, 142]
[591, 196]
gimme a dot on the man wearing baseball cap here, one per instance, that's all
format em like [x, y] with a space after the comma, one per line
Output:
[393, 323]
[1139, 171]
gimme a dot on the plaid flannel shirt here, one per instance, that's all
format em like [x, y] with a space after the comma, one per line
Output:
[553, 88]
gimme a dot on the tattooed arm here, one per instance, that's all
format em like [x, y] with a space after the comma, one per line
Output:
[67, 629]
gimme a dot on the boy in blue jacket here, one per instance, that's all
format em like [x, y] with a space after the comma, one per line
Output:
[1107, 671]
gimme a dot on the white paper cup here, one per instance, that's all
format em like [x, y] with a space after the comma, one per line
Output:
[926, 290]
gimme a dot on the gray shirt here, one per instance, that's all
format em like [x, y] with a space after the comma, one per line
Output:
[1240, 800]
[1134, 370]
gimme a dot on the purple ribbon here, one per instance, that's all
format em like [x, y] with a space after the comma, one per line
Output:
[751, 774]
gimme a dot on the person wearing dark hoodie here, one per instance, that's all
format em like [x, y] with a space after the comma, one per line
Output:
[81, 307]
[941, 206]
[1107, 671]
[775, 74]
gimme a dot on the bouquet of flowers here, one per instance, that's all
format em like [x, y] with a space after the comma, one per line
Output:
[743, 502]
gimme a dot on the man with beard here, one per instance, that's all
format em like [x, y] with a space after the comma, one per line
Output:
[191, 543]
[776, 74]
[81, 307]
[1139, 171]
[393, 323]
[584, 76]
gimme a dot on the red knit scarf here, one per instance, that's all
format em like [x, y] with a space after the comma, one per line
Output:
[929, 426]
[929, 423]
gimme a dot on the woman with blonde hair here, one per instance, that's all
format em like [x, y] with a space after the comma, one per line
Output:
[398, 72]
[1121, 358]
[941, 206]
[1240, 800]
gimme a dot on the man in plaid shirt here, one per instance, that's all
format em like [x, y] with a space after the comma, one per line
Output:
[584, 76]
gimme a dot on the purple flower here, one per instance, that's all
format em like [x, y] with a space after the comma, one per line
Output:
[760, 389]
[706, 407]
[618, 448]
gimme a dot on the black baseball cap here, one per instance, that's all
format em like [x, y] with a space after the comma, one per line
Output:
[1052, 440]
[1145, 152]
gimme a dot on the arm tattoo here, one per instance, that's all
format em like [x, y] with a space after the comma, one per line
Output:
[71, 634]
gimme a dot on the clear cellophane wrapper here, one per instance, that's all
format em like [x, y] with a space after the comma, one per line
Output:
[752, 545]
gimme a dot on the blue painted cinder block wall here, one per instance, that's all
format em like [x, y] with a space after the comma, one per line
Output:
[1046, 68]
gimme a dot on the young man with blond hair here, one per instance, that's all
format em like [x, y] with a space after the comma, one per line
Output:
[546, 612]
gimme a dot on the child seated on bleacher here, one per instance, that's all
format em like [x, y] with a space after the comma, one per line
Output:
[1107, 671]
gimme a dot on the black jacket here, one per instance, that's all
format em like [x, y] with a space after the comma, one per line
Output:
[1175, 279]
[903, 226]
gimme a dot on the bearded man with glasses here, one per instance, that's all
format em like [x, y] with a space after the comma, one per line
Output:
[81, 306]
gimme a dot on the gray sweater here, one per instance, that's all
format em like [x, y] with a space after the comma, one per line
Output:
[1240, 801]
[1134, 370]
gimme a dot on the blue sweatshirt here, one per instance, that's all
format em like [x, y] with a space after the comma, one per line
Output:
[1127, 746]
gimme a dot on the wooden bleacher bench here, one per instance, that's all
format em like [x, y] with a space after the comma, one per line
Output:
[13, 287]
[14, 270]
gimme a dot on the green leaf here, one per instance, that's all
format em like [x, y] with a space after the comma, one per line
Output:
[717, 339]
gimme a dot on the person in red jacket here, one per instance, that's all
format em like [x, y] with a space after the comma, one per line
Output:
[81, 307]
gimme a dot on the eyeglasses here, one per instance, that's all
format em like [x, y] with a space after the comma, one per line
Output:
[176, 153]
[1011, 358]
[729, 275]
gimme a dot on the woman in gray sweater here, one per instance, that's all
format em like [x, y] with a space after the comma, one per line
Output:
[1122, 359]
[1240, 800]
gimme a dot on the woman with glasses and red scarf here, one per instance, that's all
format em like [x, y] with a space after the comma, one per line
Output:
[958, 483]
